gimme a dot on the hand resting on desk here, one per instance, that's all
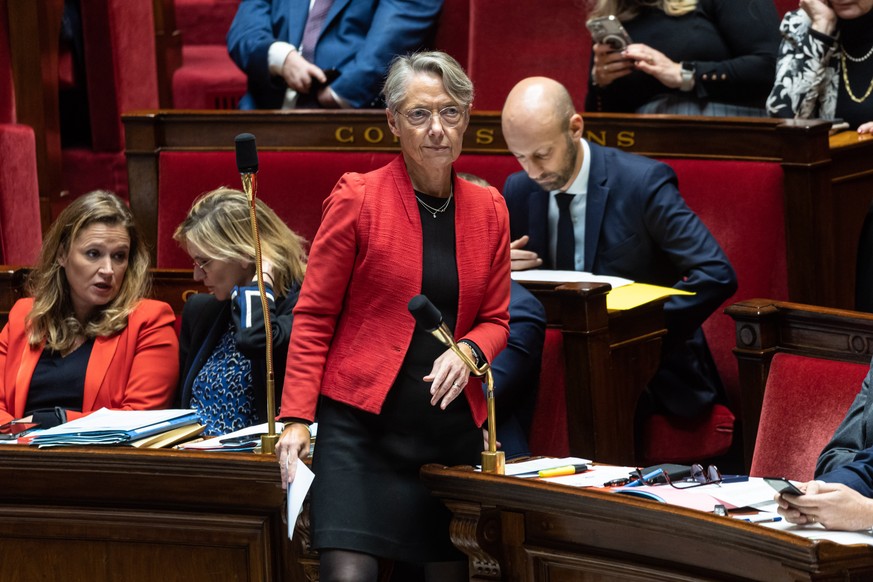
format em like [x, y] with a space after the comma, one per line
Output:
[833, 505]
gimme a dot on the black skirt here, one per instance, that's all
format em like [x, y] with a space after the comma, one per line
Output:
[367, 495]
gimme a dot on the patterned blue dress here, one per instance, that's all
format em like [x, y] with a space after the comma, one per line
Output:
[223, 391]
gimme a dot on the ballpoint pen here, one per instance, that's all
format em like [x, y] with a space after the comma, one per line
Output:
[561, 471]
[760, 518]
[645, 478]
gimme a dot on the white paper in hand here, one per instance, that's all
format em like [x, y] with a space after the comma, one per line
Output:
[297, 491]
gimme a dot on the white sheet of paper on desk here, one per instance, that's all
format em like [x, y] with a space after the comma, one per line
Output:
[752, 493]
[214, 443]
[542, 464]
[596, 476]
[555, 276]
[297, 491]
[817, 532]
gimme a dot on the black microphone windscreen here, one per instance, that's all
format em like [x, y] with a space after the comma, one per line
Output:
[246, 153]
[425, 313]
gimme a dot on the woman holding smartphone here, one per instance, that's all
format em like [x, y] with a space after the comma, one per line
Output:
[691, 57]
[825, 67]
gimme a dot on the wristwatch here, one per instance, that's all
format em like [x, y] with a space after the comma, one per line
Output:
[687, 71]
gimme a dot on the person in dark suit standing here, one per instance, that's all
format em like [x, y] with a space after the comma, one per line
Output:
[622, 216]
[285, 48]
[222, 343]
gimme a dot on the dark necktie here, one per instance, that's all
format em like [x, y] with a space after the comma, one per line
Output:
[565, 252]
[314, 24]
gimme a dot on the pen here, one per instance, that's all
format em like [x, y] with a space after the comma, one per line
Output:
[617, 482]
[646, 478]
[761, 518]
[561, 471]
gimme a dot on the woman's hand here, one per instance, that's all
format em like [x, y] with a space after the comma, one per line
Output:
[293, 444]
[655, 63]
[609, 65]
[448, 376]
[866, 127]
[833, 505]
[823, 17]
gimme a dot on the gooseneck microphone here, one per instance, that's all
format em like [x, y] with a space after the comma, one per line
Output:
[247, 164]
[429, 318]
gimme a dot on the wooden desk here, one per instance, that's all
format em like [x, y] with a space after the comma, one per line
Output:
[107, 514]
[524, 530]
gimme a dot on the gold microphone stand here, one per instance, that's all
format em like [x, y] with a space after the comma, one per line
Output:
[493, 461]
[269, 440]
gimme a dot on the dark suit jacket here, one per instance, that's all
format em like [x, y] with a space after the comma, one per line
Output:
[858, 474]
[360, 37]
[854, 434]
[638, 226]
[204, 321]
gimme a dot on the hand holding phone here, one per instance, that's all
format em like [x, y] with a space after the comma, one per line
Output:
[782, 485]
[608, 30]
[317, 85]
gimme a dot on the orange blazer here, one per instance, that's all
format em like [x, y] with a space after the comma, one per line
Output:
[351, 323]
[136, 369]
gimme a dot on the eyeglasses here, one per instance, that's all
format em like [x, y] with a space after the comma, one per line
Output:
[449, 116]
[699, 477]
[201, 264]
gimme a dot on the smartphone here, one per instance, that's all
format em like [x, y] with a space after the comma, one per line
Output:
[13, 430]
[316, 85]
[243, 439]
[608, 30]
[782, 485]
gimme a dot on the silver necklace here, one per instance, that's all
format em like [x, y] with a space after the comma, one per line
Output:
[433, 210]
[858, 59]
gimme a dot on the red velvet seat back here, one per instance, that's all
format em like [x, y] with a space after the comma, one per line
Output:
[120, 64]
[294, 184]
[805, 399]
[549, 434]
[453, 30]
[783, 6]
[204, 22]
[524, 38]
[7, 92]
[742, 205]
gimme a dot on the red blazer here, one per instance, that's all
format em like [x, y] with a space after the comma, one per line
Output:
[136, 369]
[351, 324]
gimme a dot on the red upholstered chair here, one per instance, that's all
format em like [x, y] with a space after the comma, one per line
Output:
[509, 43]
[208, 78]
[783, 6]
[20, 233]
[548, 435]
[742, 205]
[121, 74]
[805, 399]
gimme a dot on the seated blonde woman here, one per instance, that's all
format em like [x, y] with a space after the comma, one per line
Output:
[223, 339]
[85, 338]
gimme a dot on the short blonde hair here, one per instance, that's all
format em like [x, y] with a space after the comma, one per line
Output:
[52, 318]
[627, 9]
[219, 224]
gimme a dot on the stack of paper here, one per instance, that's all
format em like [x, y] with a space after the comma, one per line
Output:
[110, 427]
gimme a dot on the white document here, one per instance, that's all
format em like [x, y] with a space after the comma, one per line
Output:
[542, 464]
[555, 276]
[121, 420]
[297, 491]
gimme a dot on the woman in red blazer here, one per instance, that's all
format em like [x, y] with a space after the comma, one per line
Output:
[85, 338]
[391, 396]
